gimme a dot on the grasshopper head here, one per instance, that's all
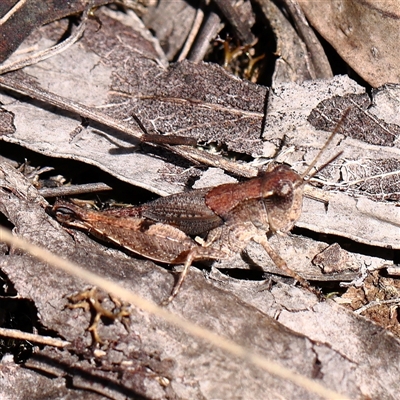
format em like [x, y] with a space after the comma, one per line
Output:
[282, 191]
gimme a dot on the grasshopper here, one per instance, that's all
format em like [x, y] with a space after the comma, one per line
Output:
[229, 215]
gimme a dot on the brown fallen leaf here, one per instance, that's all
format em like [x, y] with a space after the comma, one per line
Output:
[19, 20]
[363, 33]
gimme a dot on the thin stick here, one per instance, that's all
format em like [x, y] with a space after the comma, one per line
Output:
[73, 190]
[31, 337]
[198, 19]
[12, 11]
[376, 304]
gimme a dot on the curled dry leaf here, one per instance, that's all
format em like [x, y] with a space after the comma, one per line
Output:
[171, 22]
[19, 20]
[294, 62]
[363, 33]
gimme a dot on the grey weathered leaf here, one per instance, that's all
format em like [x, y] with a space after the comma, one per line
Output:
[120, 74]
[351, 212]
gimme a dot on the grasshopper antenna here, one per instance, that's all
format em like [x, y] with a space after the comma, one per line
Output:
[333, 134]
[319, 169]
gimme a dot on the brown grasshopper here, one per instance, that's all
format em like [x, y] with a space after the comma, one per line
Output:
[231, 215]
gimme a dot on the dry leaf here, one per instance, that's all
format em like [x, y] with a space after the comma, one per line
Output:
[363, 33]
[19, 20]
[119, 74]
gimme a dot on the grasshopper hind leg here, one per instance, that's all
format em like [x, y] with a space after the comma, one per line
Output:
[197, 253]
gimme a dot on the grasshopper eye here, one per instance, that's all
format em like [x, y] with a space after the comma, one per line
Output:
[284, 189]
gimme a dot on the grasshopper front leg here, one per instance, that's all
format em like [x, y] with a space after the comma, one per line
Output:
[262, 239]
[197, 253]
[221, 244]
